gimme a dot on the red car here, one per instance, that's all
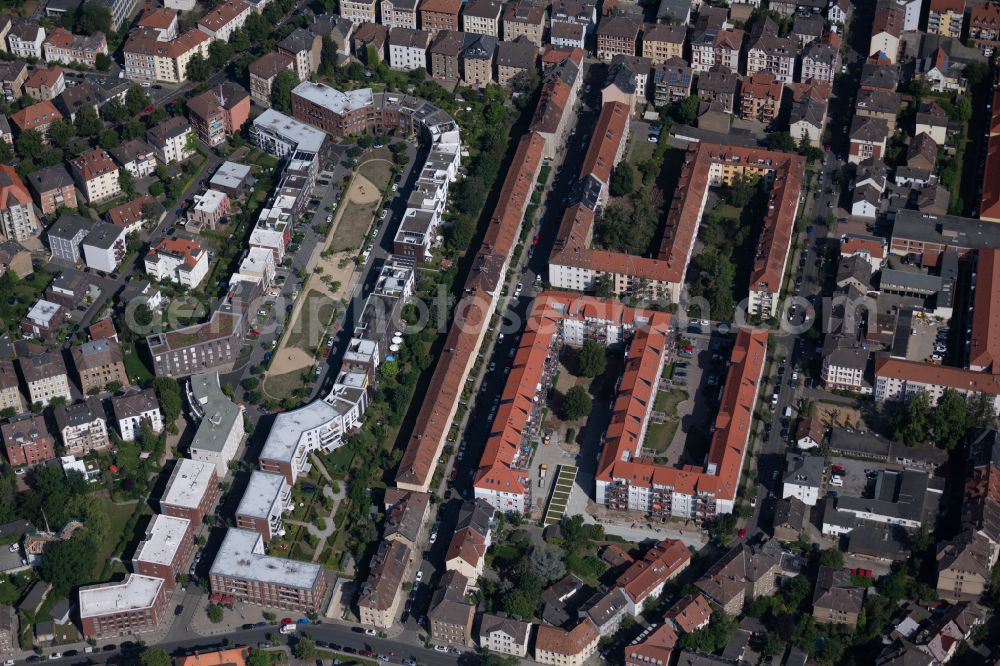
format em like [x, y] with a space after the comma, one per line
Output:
[364, 653]
[742, 533]
[254, 331]
[288, 620]
[837, 468]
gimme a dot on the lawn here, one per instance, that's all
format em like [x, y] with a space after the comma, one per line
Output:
[379, 172]
[136, 370]
[118, 515]
[352, 228]
[659, 435]
[639, 149]
[314, 316]
[281, 387]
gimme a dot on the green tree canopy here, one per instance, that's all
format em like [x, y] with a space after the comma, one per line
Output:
[949, 420]
[591, 360]
[622, 180]
[577, 403]
[152, 656]
[281, 90]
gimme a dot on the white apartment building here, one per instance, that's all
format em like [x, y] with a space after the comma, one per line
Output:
[257, 266]
[25, 39]
[803, 478]
[134, 409]
[220, 426]
[171, 140]
[104, 247]
[265, 499]
[178, 260]
[318, 426]
[408, 49]
[221, 22]
[358, 11]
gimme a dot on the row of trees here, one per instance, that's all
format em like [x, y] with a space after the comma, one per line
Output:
[946, 423]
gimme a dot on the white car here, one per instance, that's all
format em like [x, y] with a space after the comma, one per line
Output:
[55, 655]
[420, 576]
[371, 632]
[385, 211]
[434, 537]
[440, 648]
[705, 322]
[395, 186]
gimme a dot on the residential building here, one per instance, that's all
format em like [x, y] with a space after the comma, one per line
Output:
[770, 53]
[661, 42]
[887, 28]
[135, 605]
[808, 116]
[405, 514]
[671, 82]
[467, 553]
[408, 49]
[44, 320]
[945, 18]
[868, 138]
[224, 19]
[820, 62]
[743, 574]
[932, 120]
[149, 58]
[760, 97]
[76, 98]
[96, 174]
[82, 427]
[444, 55]
[645, 578]
[99, 363]
[439, 15]
[209, 211]
[691, 613]
[514, 61]
[134, 409]
[26, 441]
[984, 26]
[64, 47]
[450, 615]
[233, 179]
[306, 48]
[162, 20]
[399, 14]
[10, 392]
[617, 35]
[192, 491]
[652, 648]
[220, 422]
[45, 83]
[716, 46]
[36, 117]
[18, 221]
[562, 647]
[172, 140]
[963, 566]
[178, 260]
[130, 217]
[525, 18]
[381, 593]
[53, 188]
[218, 113]
[718, 85]
[12, 78]
[807, 29]
[482, 17]
[501, 634]
[877, 103]
[836, 599]
[789, 519]
[369, 41]
[477, 61]
[25, 39]
[165, 550]
[317, 426]
[104, 246]
[803, 478]
[266, 498]
[263, 71]
[358, 11]
[44, 373]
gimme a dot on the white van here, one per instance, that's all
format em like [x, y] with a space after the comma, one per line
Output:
[836, 481]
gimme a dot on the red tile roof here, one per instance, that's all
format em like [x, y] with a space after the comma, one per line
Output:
[37, 115]
[179, 247]
[103, 330]
[467, 544]
[47, 77]
[160, 18]
[561, 641]
[94, 164]
[621, 458]
[984, 344]
[12, 189]
[611, 130]
[654, 649]
[941, 375]
[661, 563]
[989, 208]
[691, 613]
[223, 15]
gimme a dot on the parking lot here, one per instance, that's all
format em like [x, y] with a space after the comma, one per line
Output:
[855, 481]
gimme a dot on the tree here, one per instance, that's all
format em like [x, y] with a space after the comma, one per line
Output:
[591, 360]
[69, 564]
[154, 657]
[6, 153]
[281, 90]
[113, 386]
[259, 658]
[622, 180]
[169, 394]
[389, 369]
[87, 122]
[136, 100]
[305, 648]
[685, 111]
[712, 638]
[215, 613]
[219, 53]
[93, 17]
[949, 421]
[912, 422]
[782, 141]
[29, 143]
[577, 403]
[547, 562]
[831, 557]
[198, 68]
[109, 139]
[604, 286]
[102, 62]
[980, 413]
[60, 132]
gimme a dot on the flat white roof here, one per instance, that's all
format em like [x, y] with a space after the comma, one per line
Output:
[241, 555]
[209, 200]
[288, 428]
[43, 311]
[134, 593]
[164, 537]
[188, 483]
[262, 492]
[290, 130]
[337, 101]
